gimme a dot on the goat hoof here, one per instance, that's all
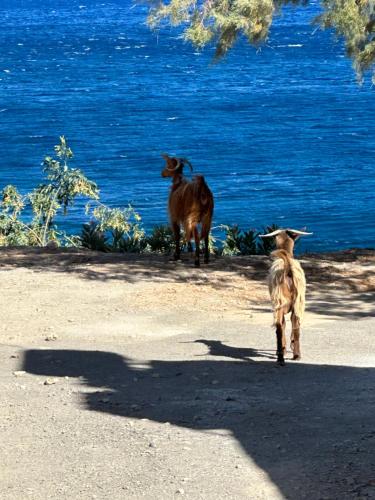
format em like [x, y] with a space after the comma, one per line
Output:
[281, 362]
[296, 357]
[197, 263]
[206, 261]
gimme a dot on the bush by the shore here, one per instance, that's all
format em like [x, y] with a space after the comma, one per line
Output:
[30, 219]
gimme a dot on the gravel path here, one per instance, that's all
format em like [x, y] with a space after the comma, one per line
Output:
[131, 377]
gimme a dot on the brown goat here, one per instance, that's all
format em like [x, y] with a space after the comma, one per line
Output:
[190, 203]
[287, 286]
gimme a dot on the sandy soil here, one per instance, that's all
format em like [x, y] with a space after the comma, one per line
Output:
[128, 377]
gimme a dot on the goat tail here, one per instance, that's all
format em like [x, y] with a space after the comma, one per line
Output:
[277, 280]
[285, 258]
[282, 270]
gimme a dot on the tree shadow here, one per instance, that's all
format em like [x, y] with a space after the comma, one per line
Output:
[127, 267]
[310, 427]
[340, 284]
[334, 304]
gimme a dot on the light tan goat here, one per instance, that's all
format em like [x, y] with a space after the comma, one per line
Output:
[287, 286]
[190, 203]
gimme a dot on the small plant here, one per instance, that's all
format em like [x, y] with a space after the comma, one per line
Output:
[161, 240]
[12, 202]
[94, 239]
[13, 231]
[249, 244]
[212, 244]
[238, 242]
[121, 226]
[232, 242]
[62, 185]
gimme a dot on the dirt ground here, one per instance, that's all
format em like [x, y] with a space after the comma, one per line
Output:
[131, 377]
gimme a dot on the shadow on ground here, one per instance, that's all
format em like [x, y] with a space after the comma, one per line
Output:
[310, 427]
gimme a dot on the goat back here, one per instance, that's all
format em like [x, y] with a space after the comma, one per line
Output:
[191, 200]
[287, 283]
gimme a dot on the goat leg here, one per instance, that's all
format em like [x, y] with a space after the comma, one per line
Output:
[176, 232]
[295, 337]
[280, 335]
[197, 249]
[283, 326]
[206, 250]
[296, 346]
[280, 350]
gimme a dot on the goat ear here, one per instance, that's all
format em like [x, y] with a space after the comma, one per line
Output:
[165, 156]
[292, 235]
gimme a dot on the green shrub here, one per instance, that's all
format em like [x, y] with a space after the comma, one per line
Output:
[249, 242]
[122, 227]
[232, 241]
[94, 239]
[267, 245]
[61, 187]
[238, 242]
[161, 240]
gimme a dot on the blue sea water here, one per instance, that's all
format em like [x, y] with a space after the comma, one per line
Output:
[283, 134]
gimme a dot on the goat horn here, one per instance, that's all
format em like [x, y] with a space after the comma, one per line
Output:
[176, 167]
[269, 235]
[302, 233]
[184, 160]
[167, 158]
